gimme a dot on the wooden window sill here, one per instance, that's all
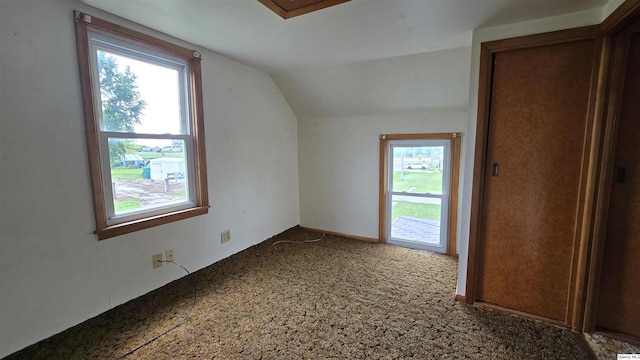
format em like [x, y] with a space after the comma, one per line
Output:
[131, 226]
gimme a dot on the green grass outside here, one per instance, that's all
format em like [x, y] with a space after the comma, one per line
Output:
[417, 210]
[182, 192]
[422, 181]
[148, 155]
[125, 205]
[174, 155]
[126, 173]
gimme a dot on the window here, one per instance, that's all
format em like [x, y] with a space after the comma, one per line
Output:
[143, 115]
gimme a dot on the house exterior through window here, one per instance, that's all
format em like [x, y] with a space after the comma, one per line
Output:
[143, 115]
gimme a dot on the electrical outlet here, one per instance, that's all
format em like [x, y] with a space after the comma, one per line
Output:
[157, 260]
[170, 255]
[225, 236]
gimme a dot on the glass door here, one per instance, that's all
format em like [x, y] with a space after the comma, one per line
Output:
[418, 194]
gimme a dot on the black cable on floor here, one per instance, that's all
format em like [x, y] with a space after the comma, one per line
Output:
[195, 296]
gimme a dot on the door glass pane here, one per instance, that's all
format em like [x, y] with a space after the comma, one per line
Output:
[418, 169]
[416, 218]
[147, 173]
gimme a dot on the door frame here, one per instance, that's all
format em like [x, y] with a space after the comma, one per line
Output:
[589, 163]
[614, 25]
[454, 182]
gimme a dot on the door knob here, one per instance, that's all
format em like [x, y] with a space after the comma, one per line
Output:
[495, 169]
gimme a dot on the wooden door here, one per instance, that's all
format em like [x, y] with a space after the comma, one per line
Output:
[535, 144]
[619, 295]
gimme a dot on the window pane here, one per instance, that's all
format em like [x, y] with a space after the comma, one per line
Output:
[138, 96]
[147, 173]
[416, 218]
[418, 169]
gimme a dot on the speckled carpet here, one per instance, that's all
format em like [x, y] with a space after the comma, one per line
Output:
[333, 299]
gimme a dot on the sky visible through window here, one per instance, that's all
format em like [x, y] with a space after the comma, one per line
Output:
[159, 88]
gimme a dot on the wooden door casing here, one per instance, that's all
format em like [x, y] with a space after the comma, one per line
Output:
[537, 123]
[618, 307]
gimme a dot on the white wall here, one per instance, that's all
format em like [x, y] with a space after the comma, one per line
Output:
[339, 165]
[54, 273]
[412, 83]
[583, 18]
[343, 110]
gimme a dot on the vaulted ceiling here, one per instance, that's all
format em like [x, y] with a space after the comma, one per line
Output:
[354, 31]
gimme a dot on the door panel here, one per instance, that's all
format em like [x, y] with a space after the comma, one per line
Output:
[619, 295]
[539, 105]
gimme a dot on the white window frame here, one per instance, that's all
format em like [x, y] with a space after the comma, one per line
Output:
[444, 196]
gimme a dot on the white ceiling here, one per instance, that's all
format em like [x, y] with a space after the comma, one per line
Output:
[357, 31]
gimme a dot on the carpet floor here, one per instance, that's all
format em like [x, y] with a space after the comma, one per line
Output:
[332, 299]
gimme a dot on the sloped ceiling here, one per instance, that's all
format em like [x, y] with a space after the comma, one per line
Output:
[359, 58]
[412, 83]
[355, 31]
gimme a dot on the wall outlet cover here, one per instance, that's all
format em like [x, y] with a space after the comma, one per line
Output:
[170, 255]
[225, 236]
[157, 260]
